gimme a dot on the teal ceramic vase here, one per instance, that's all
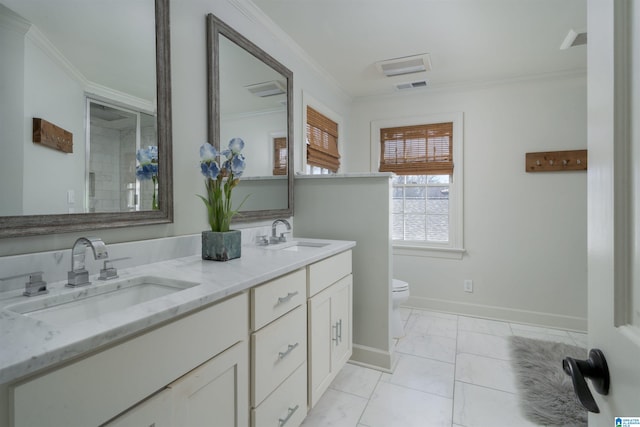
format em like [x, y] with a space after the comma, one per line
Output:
[221, 246]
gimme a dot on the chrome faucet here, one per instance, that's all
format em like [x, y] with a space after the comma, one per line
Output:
[79, 276]
[274, 226]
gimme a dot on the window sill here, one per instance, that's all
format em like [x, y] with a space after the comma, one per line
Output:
[427, 251]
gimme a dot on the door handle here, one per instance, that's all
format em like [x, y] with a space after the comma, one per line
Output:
[595, 368]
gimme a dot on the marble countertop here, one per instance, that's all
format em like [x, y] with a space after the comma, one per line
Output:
[29, 345]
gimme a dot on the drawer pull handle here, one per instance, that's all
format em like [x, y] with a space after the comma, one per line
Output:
[282, 355]
[338, 337]
[290, 411]
[282, 300]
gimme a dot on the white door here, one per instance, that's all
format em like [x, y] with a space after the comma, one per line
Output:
[614, 202]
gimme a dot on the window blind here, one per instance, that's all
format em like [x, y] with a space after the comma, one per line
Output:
[280, 156]
[322, 141]
[417, 150]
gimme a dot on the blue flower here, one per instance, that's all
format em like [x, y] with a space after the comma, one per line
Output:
[209, 169]
[208, 153]
[237, 164]
[236, 145]
[221, 178]
[148, 159]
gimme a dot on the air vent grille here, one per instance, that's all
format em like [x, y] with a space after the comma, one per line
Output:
[406, 65]
[266, 89]
[419, 84]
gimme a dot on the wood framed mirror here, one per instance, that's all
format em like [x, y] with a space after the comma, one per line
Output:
[250, 96]
[29, 196]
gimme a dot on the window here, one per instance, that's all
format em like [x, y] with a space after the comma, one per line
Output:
[420, 208]
[322, 143]
[280, 156]
[425, 154]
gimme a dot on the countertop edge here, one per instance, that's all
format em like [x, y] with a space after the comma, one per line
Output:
[59, 346]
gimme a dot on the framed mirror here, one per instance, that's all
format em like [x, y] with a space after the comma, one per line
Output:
[88, 91]
[250, 96]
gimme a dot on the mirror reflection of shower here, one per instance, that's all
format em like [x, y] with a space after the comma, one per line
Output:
[114, 134]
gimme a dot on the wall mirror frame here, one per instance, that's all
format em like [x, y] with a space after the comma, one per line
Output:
[15, 226]
[215, 29]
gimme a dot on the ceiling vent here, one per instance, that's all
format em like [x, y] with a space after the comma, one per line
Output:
[265, 89]
[574, 39]
[420, 84]
[406, 65]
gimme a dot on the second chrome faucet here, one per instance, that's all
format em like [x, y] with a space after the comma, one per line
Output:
[79, 276]
[282, 237]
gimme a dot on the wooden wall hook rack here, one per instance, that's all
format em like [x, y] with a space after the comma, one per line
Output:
[554, 161]
[52, 136]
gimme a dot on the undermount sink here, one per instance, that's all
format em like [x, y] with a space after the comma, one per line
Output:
[297, 246]
[98, 299]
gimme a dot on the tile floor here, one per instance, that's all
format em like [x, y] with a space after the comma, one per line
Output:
[451, 371]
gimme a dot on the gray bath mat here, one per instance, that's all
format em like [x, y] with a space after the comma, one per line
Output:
[546, 392]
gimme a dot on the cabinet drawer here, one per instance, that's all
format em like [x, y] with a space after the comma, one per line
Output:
[287, 405]
[328, 271]
[277, 350]
[273, 299]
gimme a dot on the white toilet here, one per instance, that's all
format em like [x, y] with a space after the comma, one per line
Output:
[399, 295]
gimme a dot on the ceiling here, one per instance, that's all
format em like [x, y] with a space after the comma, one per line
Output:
[469, 41]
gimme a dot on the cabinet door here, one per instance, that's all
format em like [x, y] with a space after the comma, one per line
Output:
[341, 323]
[216, 393]
[320, 343]
[153, 412]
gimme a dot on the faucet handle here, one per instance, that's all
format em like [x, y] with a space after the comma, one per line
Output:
[35, 285]
[283, 237]
[108, 271]
[262, 240]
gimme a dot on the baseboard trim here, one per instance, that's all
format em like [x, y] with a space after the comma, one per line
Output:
[536, 318]
[373, 358]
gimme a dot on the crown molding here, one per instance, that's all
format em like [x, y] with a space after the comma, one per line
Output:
[13, 21]
[41, 41]
[104, 93]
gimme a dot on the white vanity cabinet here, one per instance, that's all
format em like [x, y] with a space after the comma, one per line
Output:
[164, 368]
[279, 351]
[329, 321]
[261, 357]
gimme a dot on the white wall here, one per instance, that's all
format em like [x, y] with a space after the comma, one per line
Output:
[12, 31]
[51, 94]
[257, 131]
[334, 208]
[525, 233]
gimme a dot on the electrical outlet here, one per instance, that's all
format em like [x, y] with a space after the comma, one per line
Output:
[468, 285]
